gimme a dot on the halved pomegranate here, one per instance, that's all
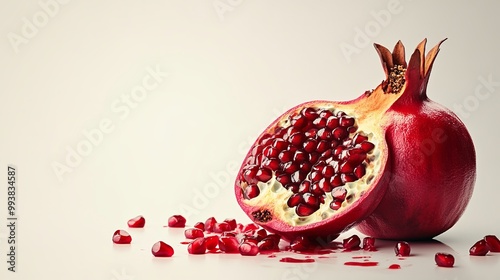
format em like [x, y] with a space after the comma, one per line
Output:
[392, 156]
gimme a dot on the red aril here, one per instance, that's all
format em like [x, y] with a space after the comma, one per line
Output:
[211, 242]
[402, 249]
[232, 223]
[248, 249]
[229, 244]
[209, 224]
[193, 233]
[162, 249]
[121, 237]
[137, 222]
[444, 259]
[177, 221]
[325, 166]
[369, 244]
[351, 243]
[480, 248]
[301, 243]
[197, 246]
[493, 243]
[221, 227]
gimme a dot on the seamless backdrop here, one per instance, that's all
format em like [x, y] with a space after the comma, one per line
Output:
[111, 109]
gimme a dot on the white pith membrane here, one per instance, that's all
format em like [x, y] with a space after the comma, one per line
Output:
[273, 195]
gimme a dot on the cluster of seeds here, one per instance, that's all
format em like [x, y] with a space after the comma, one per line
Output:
[312, 153]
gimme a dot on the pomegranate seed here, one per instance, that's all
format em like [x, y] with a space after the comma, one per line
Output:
[121, 237]
[336, 181]
[480, 248]
[316, 189]
[309, 113]
[193, 233]
[315, 176]
[339, 193]
[324, 133]
[311, 200]
[248, 249]
[311, 133]
[346, 121]
[322, 146]
[301, 243]
[211, 242]
[305, 210]
[369, 244]
[177, 221]
[264, 174]
[137, 222]
[325, 185]
[444, 259]
[325, 114]
[328, 171]
[358, 138]
[199, 225]
[250, 173]
[268, 244]
[493, 243]
[250, 227]
[232, 223]
[294, 200]
[260, 234]
[272, 164]
[209, 224]
[285, 156]
[283, 179]
[298, 177]
[360, 171]
[304, 187]
[279, 145]
[346, 167]
[340, 133]
[249, 239]
[367, 146]
[300, 156]
[228, 244]
[313, 157]
[332, 122]
[319, 122]
[348, 177]
[305, 167]
[299, 121]
[310, 145]
[228, 233]
[251, 191]
[290, 167]
[162, 249]
[351, 243]
[335, 204]
[296, 139]
[402, 249]
[197, 246]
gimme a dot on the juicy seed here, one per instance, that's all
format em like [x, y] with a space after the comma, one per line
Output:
[209, 224]
[339, 193]
[351, 243]
[493, 243]
[121, 237]
[268, 244]
[264, 174]
[305, 209]
[177, 221]
[221, 227]
[228, 244]
[402, 249]
[193, 233]
[480, 248]
[232, 223]
[248, 249]
[335, 204]
[137, 222]
[199, 225]
[369, 244]
[444, 259]
[197, 246]
[300, 243]
[211, 242]
[295, 200]
[162, 249]
[251, 191]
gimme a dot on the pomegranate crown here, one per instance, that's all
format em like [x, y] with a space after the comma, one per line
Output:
[396, 69]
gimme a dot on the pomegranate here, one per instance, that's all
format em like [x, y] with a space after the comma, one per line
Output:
[392, 162]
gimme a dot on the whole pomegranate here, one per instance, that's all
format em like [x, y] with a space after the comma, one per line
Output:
[392, 162]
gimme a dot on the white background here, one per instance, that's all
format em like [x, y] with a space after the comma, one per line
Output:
[65, 67]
